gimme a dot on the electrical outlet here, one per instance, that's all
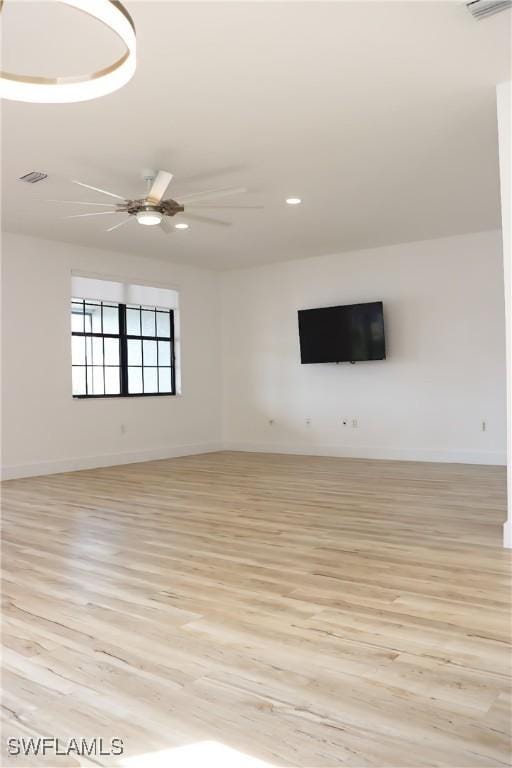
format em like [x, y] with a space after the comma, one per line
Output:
[308, 421]
[484, 426]
[354, 423]
[123, 429]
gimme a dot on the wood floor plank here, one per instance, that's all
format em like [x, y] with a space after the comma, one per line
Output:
[309, 612]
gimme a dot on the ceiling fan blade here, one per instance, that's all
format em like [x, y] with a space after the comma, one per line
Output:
[159, 186]
[212, 194]
[207, 220]
[166, 226]
[83, 202]
[227, 207]
[97, 189]
[100, 213]
[121, 224]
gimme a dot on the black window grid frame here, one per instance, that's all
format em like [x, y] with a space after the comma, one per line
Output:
[123, 337]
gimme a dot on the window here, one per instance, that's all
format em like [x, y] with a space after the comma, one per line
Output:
[121, 350]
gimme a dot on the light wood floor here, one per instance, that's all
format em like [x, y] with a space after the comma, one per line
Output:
[303, 611]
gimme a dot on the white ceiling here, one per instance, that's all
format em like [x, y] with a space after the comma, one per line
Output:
[381, 116]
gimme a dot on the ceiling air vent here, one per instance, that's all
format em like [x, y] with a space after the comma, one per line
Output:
[480, 9]
[33, 177]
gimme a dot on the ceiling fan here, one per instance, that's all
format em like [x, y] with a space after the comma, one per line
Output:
[153, 209]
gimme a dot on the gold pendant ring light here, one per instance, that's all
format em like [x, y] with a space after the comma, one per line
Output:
[60, 90]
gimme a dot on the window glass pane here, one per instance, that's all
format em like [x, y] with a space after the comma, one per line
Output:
[110, 319]
[79, 381]
[148, 322]
[132, 321]
[88, 350]
[149, 353]
[111, 351]
[77, 317]
[150, 380]
[112, 381]
[78, 350]
[95, 380]
[96, 357]
[163, 325]
[134, 380]
[98, 380]
[134, 352]
[164, 353]
[93, 318]
[164, 379]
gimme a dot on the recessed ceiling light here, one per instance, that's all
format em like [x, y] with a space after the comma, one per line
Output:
[293, 200]
[182, 225]
[60, 90]
[149, 218]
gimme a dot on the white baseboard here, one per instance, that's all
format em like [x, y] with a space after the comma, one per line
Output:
[105, 460]
[11, 472]
[374, 452]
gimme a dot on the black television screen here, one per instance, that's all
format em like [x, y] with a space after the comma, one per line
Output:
[348, 333]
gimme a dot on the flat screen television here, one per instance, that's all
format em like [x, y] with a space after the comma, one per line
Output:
[345, 334]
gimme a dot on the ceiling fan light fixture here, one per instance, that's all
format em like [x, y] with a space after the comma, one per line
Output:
[149, 218]
[62, 90]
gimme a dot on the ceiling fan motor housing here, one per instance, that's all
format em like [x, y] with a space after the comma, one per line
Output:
[165, 207]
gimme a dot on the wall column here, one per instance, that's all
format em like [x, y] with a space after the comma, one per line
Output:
[504, 102]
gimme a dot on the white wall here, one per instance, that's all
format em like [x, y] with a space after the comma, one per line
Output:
[43, 428]
[445, 372]
[504, 99]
